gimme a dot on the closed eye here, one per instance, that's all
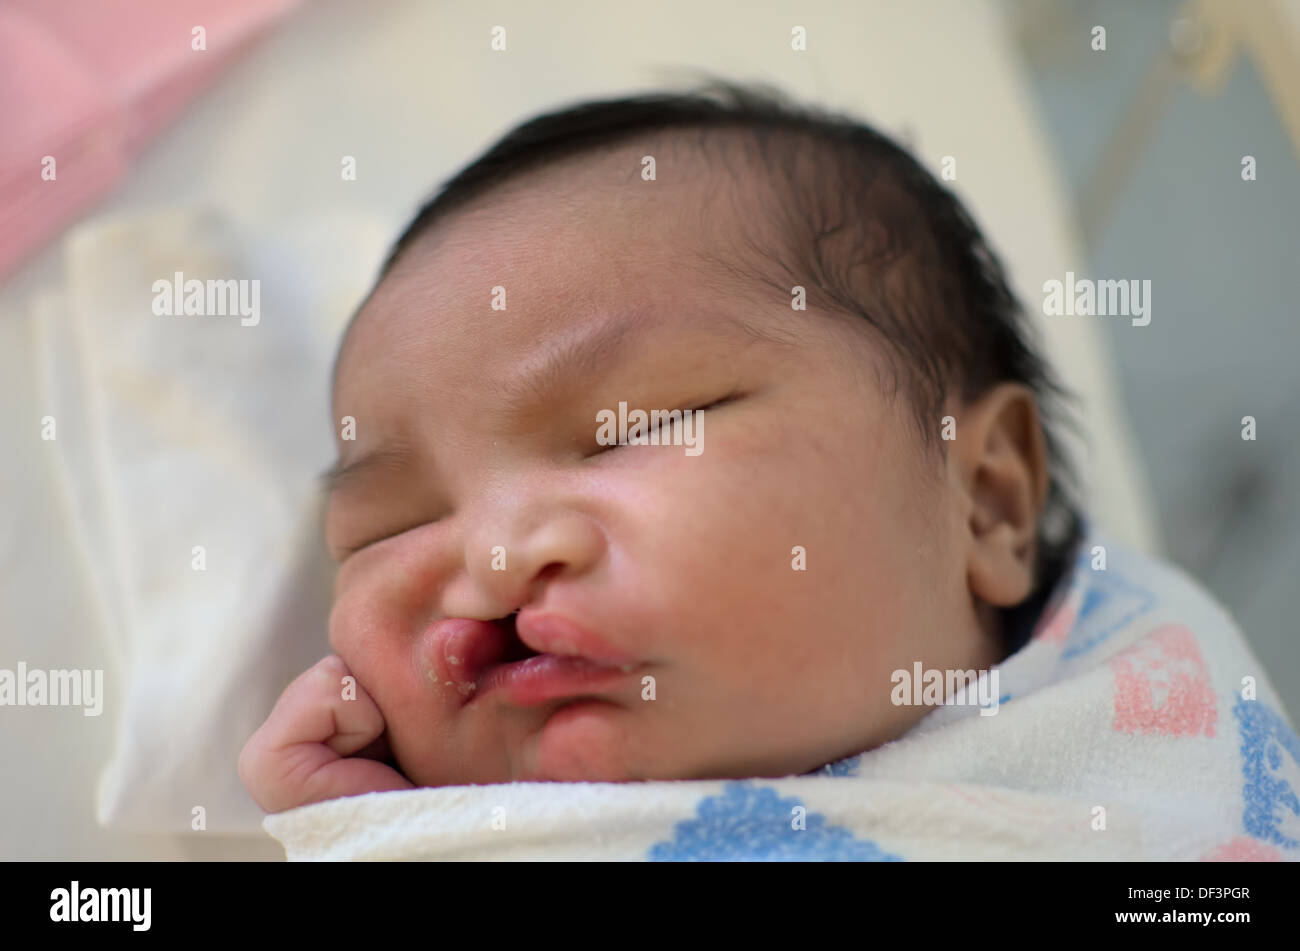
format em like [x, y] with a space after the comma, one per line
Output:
[653, 426]
[370, 542]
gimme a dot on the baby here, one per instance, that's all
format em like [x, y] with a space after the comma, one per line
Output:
[546, 574]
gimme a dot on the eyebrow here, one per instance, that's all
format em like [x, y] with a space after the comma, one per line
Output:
[581, 350]
[588, 347]
[577, 352]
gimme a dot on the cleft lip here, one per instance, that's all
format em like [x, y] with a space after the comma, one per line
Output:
[472, 656]
[463, 649]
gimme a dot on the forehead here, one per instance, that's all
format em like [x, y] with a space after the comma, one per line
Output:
[581, 248]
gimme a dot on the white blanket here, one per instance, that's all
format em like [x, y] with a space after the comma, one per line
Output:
[1136, 725]
[189, 447]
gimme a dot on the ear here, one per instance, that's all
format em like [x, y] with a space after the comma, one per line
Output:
[1000, 456]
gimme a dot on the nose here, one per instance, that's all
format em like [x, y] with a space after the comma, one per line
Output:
[510, 557]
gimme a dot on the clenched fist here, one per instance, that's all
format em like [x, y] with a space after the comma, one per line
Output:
[317, 745]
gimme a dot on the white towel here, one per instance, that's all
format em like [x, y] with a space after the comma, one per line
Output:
[190, 447]
[1135, 725]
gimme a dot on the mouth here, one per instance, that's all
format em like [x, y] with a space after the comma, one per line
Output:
[527, 659]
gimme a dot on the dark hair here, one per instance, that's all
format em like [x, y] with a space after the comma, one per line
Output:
[867, 228]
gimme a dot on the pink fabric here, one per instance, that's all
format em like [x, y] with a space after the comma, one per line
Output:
[1162, 686]
[1243, 849]
[89, 82]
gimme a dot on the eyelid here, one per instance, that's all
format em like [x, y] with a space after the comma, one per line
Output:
[729, 398]
[370, 543]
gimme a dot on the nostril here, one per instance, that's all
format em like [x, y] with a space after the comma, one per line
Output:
[547, 572]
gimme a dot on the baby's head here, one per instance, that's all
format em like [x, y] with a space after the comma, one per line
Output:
[767, 563]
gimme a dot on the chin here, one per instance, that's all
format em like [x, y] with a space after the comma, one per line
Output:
[583, 741]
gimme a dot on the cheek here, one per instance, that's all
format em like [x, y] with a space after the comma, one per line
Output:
[381, 597]
[794, 548]
[360, 616]
[373, 634]
[739, 545]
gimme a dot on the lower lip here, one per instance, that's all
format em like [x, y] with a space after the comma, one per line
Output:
[546, 677]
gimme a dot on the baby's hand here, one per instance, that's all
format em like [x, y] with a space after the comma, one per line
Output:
[304, 752]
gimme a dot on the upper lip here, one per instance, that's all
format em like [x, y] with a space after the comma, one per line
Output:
[549, 633]
[467, 650]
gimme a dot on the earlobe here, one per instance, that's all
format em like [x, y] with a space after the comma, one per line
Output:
[999, 571]
[1003, 460]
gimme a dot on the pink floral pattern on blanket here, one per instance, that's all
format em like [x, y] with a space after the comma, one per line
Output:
[1243, 849]
[1162, 686]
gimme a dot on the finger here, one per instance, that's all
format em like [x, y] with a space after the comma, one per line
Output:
[312, 773]
[325, 704]
[320, 717]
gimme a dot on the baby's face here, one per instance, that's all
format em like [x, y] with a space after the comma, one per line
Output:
[763, 590]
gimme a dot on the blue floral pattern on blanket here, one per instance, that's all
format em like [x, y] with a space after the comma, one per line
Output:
[1110, 602]
[1270, 755]
[748, 822]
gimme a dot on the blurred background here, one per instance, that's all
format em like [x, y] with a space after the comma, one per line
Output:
[290, 140]
[1150, 140]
